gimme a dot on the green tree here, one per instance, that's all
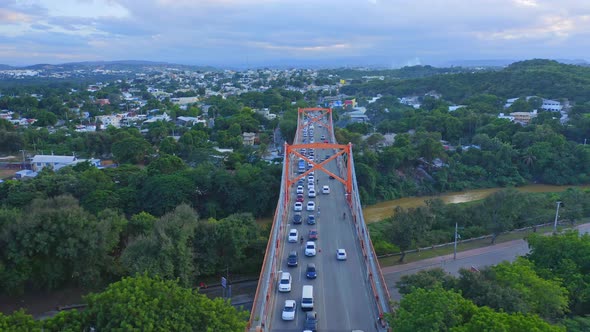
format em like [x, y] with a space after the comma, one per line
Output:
[544, 297]
[165, 164]
[486, 319]
[54, 242]
[166, 251]
[433, 309]
[426, 279]
[565, 256]
[483, 289]
[146, 304]
[130, 150]
[18, 321]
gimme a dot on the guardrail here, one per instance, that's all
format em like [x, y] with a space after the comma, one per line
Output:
[262, 300]
[375, 277]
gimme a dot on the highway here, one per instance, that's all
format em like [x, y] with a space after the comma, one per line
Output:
[342, 294]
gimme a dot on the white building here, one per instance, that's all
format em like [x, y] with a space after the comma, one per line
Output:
[184, 100]
[164, 117]
[56, 162]
[110, 120]
[548, 104]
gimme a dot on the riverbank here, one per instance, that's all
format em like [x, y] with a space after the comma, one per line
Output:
[383, 210]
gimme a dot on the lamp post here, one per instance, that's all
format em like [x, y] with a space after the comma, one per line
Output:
[23, 151]
[556, 215]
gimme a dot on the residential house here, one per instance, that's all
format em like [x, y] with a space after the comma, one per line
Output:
[248, 138]
[56, 162]
[110, 120]
[266, 113]
[103, 102]
[547, 104]
[190, 120]
[184, 100]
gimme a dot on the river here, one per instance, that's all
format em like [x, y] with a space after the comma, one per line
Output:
[380, 211]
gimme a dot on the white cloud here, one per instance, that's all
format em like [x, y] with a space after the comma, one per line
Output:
[527, 3]
[226, 30]
[84, 8]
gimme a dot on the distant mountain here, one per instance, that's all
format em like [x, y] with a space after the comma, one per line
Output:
[505, 62]
[113, 65]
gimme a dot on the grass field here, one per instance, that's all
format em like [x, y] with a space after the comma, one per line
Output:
[430, 253]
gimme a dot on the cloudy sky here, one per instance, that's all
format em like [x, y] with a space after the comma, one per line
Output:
[253, 32]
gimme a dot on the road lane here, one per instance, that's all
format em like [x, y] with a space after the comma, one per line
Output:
[342, 294]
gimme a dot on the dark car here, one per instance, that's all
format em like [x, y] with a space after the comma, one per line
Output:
[311, 321]
[311, 272]
[300, 182]
[299, 198]
[292, 259]
[313, 234]
[311, 219]
[297, 218]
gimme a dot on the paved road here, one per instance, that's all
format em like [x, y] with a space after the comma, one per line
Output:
[341, 291]
[479, 258]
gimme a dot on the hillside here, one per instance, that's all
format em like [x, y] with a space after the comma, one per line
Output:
[545, 78]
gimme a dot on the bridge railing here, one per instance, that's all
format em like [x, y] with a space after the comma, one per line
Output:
[270, 267]
[380, 291]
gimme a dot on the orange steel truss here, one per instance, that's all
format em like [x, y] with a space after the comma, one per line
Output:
[293, 155]
[304, 112]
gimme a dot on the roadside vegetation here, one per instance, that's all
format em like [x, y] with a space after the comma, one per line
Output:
[544, 291]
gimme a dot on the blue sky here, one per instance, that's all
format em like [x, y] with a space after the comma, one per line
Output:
[243, 32]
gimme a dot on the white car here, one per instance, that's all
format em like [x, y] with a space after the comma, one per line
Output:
[310, 248]
[289, 310]
[298, 206]
[310, 186]
[311, 194]
[325, 190]
[310, 179]
[310, 206]
[300, 189]
[285, 282]
[293, 235]
[341, 254]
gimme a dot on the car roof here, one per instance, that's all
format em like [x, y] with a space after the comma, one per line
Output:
[289, 303]
[285, 275]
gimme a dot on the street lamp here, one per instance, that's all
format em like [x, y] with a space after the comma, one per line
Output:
[23, 151]
[556, 215]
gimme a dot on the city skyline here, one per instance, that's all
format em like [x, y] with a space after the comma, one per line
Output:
[257, 32]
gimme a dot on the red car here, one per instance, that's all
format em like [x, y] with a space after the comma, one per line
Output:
[313, 234]
[299, 198]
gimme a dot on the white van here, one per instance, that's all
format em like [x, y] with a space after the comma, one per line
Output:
[307, 298]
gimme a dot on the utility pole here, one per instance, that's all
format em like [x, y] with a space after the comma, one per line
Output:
[556, 215]
[23, 151]
[456, 236]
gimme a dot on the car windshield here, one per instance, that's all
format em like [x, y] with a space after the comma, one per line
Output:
[289, 308]
[309, 246]
[284, 281]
